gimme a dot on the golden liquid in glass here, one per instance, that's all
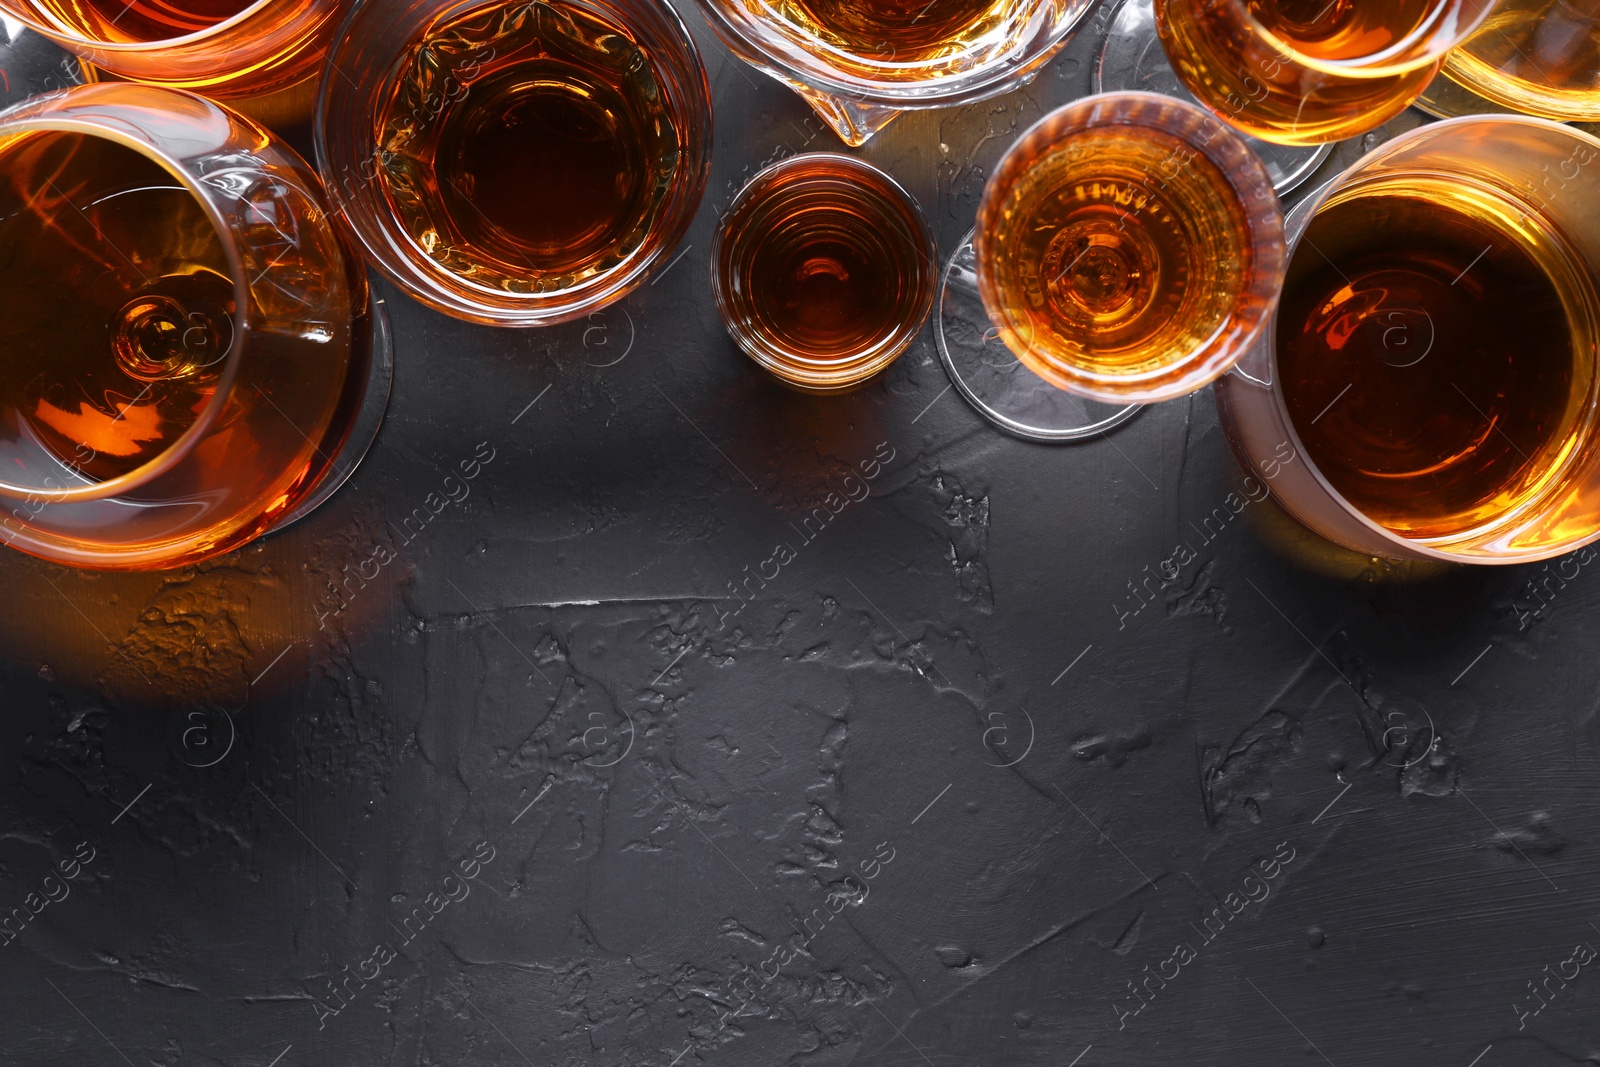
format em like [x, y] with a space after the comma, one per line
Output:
[1437, 354]
[1250, 79]
[525, 147]
[1119, 251]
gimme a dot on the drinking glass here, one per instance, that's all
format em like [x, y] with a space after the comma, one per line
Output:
[1307, 72]
[227, 49]
[1428, 389]
[192, 359]
[823, 271]
[860, 65]
[1128, 249]
[1130, 59]
[1541, 57]
[511, 162]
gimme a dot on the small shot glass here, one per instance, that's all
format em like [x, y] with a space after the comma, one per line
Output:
[823, 271]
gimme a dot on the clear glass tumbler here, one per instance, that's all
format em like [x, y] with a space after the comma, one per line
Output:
[228, 49]
[515, 163]
[823, 271]
[1128, 249]
[860, 65]
[1428, 389]
[189, 344]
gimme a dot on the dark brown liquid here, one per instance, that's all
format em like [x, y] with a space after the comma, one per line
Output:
[1431, 358]
[904, 31]
[822, 264]
[530, 147]
[144, 20]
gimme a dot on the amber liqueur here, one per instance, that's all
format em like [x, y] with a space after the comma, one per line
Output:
[141, 20]
[1254, 81]
[898, 31]
[824, 265]
[116, 304]
[117, 311]
[1437, 349]
[1541, 57]
[1110, 257]
[525, 146]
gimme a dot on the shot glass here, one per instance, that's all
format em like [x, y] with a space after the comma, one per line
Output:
[823, 271]
[191, 357]
[511, 162]
[1428, 388]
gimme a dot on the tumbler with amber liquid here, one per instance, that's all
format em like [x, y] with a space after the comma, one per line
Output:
[1429, 387]
[823, 271]
[1305, 72]
[512, 162]
[190, 354]
[227, 49]
[1128, 249]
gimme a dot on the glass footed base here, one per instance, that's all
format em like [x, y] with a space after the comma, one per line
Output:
[994, 381]
[1131, 58]
[370, 398]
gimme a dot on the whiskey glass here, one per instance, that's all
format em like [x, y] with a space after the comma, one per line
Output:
[511, 162]
[1308, 72]
[859, 65]
[1541, 57]
[1428, 389]
[1131, 59]
[1128, 249]
[226, 49]
[192, 359]
[823, 271]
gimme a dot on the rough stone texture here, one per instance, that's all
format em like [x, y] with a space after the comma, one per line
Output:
[862, 819]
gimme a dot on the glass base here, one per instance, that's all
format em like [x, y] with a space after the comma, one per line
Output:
[1131, 58]
[994, 381]
[371, 403]
[1446, 98]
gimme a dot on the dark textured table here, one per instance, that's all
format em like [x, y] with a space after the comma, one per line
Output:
[645, 750]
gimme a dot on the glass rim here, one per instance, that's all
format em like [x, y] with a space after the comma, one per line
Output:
[1296, 222]
[50, 29]
[20, 125]
[862, 366]
[429, 282]
[1382, 62]
[1225, 149]
[780, 52]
